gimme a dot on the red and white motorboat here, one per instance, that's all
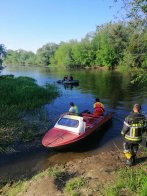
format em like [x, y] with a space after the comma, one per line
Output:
[70, 129]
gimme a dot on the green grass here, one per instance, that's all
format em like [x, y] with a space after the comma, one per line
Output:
[15, 188]
[39, 175]
[130, 181]
[22, 97]
[24, 93]
[55, 172]
[73, 186]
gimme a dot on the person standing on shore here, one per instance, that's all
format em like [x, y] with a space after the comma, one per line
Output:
[133, 128]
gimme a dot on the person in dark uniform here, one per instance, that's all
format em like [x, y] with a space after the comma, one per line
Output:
[65, 78]
[71, 78]
[133, 128]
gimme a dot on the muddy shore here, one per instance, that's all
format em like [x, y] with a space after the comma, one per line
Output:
[98, 171]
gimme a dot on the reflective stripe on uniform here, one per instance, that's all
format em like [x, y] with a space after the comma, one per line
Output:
[133, 132]
[133, 139]
[139, 125]
[126, 124]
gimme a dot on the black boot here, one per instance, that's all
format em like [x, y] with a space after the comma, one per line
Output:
[134, 159]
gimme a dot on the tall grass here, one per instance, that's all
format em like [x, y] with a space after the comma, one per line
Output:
[130, 181]
[19, 96]
[24, 93]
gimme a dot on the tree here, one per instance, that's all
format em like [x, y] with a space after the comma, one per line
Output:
[11, 57]
[136, 11]
[20, 57]
[82, 53]
[63, 56]
[2, 53]
[31, 58]
[137, 49]
[45, 53]
[109, 44]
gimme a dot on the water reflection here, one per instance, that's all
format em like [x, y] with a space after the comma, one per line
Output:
[113, 88]
[70, 86]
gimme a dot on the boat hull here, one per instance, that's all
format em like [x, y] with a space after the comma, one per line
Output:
[56, 138]
[66, 82]
[87, 143]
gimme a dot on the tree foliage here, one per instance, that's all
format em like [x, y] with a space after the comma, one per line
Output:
[2, 53]
[135, 55]
[20, 57]
[136, 11]
[110, 45]
[45, 53]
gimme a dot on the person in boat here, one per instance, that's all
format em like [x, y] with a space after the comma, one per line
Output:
[73, 109]
[71, 78]
[65, 78]
[133, 127]
[98, 108]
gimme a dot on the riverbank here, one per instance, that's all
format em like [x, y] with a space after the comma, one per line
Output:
[100, 174]
[22, 116]
[93, 167]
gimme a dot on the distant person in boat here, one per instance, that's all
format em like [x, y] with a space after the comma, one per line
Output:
[70, 78]
[65, 78]
[73, 109]
[98, 108]
[134, 126]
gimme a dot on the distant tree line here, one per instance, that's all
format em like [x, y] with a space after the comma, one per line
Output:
[22, 57]
[111, 45]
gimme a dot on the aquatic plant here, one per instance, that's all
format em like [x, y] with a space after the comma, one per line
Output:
[25, 93]
[21, 97]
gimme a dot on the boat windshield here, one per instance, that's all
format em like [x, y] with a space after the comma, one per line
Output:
[68, 122]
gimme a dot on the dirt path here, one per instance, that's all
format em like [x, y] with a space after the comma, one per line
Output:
[97, 171]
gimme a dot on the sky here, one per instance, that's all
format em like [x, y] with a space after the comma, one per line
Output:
[30, 24]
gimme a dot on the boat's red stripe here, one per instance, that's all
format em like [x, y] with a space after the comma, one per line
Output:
[57, 137]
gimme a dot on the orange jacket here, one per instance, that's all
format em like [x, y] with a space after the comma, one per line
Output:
[98, 109]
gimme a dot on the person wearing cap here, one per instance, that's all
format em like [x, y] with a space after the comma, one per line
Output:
[73, 109]
[133, 127]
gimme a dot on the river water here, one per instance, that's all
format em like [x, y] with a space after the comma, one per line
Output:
[114, 90]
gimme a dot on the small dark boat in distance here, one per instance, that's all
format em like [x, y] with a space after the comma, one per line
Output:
[68, 82]
[70, 129]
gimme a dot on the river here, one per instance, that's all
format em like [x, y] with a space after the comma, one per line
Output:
[114, 90]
